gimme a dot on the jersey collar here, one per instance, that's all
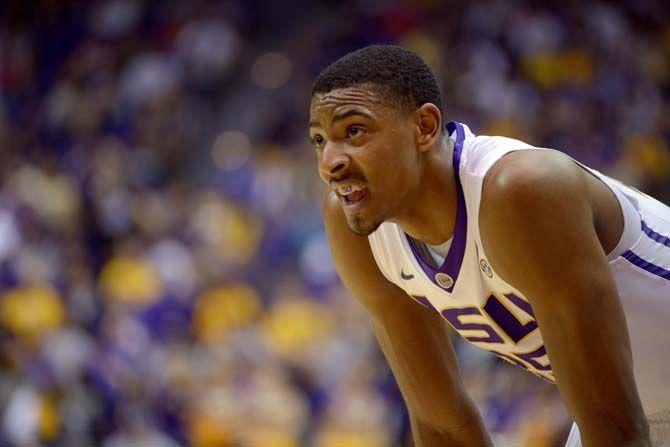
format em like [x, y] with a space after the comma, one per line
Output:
[452, 263]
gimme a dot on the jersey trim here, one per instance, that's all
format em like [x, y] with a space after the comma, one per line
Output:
[646, 265]
[452, 263]
[636, 260]
[654, 236]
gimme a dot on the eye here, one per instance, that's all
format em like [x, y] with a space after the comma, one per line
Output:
[354, 131]
[317, 141]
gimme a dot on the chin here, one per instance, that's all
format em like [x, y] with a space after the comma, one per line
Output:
[363, 227]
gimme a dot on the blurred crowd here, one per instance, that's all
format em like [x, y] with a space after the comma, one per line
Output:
[164, 275]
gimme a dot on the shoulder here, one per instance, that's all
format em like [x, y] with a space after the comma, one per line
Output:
[332, 212]
[339, 235]
[528, 179]
[353, 258]
[532, 202]
[481, 151]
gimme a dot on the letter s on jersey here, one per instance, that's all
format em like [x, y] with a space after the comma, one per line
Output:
[509, 326]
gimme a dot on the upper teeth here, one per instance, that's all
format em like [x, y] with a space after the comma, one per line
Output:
[348, 189]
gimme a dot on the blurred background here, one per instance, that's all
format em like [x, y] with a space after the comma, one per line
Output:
[164, 275]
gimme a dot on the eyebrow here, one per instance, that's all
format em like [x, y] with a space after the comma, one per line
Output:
[344, 115]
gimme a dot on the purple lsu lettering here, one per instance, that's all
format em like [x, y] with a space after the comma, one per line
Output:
[508, 323]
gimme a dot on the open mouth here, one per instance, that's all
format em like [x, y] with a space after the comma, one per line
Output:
[355, 196]
[352, 195]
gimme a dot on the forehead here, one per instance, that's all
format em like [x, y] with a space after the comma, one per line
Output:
[366, 97]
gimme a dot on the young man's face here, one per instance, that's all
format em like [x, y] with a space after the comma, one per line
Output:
[366, 153]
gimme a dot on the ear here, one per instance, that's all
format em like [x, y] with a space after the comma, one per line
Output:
[428, 120]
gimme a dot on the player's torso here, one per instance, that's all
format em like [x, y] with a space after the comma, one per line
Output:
[492, 314]
[481, 307]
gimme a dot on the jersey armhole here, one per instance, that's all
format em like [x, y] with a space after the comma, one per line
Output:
[632, 220]
[629, 209]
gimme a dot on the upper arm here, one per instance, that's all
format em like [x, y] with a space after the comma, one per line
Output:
[413, 338]
[537, 224]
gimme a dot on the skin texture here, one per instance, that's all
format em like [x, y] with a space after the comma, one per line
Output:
[549, 208]
[415, 342]
[402, 158]
[559, 223]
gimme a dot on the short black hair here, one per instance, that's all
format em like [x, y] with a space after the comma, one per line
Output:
[400, 74]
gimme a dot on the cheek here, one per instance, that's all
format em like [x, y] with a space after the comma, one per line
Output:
[393, 166]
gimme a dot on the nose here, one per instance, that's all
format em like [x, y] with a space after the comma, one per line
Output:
[333, 162]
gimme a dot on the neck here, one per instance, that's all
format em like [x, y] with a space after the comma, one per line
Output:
[430, 214]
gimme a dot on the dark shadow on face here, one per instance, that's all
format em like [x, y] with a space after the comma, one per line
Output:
[361, 228]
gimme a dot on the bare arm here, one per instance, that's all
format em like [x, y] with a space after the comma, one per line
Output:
[549, 250]
[414, 340]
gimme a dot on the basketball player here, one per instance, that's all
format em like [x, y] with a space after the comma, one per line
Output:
[546, 263]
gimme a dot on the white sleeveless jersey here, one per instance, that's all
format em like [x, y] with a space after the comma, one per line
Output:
[493, 315]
